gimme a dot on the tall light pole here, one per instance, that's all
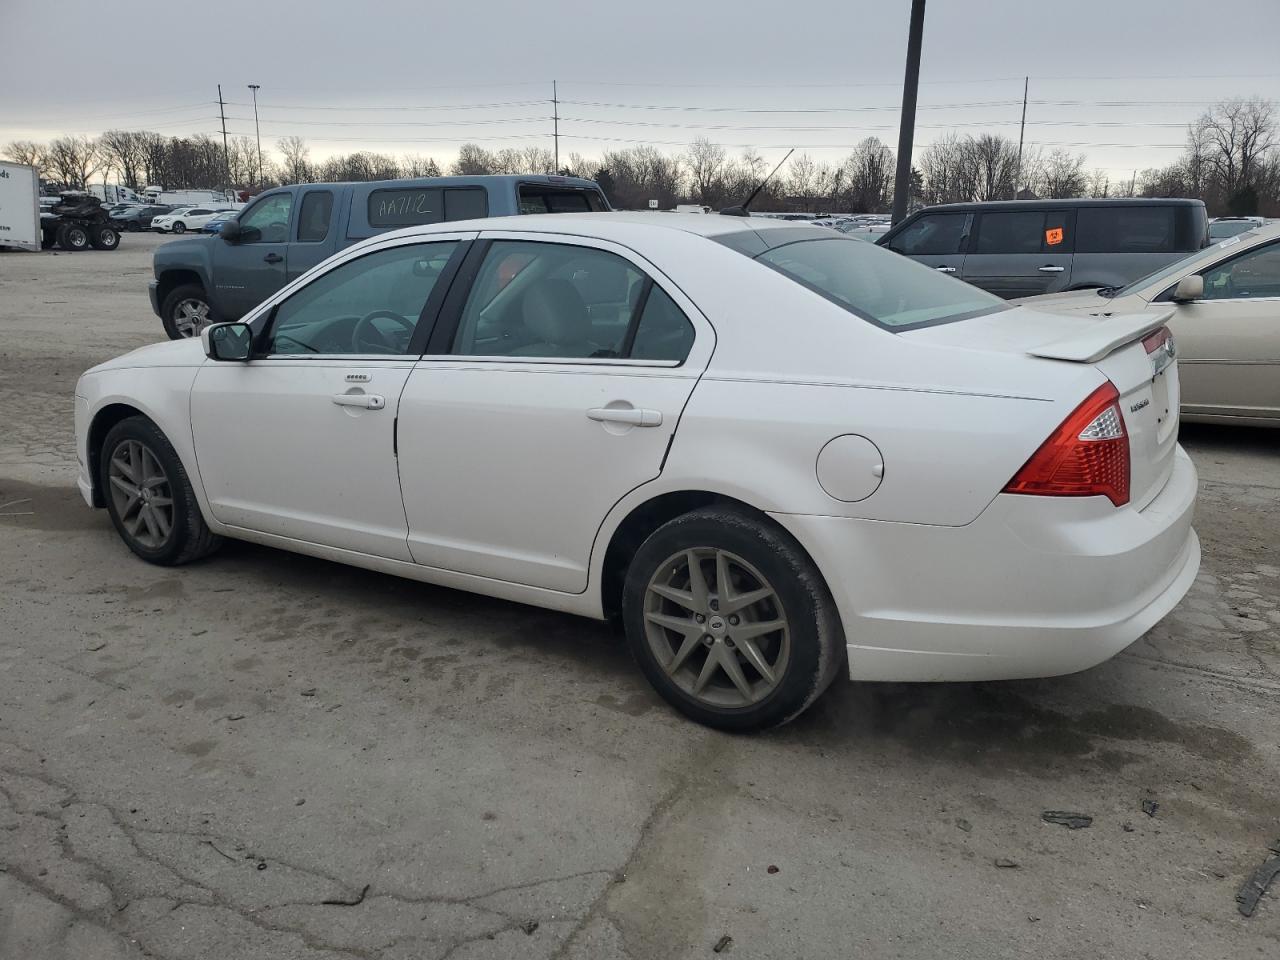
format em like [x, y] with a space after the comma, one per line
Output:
[906, 132]
[258, 133]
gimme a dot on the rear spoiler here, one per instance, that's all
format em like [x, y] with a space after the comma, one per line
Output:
[1095, 343]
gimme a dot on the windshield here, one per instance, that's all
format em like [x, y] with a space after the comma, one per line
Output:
[1175, 269]
[884, 288]
[1229, 228]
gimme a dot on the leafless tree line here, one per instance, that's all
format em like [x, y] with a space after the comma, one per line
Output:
[1232, 161]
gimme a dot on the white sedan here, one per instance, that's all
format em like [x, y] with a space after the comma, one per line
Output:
[185, 218]
[774, 453]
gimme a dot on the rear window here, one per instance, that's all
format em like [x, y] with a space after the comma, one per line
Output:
[877, 285]
[539, 199]
[419, 205]
[1146, 229]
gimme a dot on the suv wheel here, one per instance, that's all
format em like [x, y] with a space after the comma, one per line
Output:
[186, 311]
[149, 496]
[730, 620]
[179, 227]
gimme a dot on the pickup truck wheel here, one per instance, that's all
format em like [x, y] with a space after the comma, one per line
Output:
[186, 311]
[179, 227]
[104, 238]
[73, 237]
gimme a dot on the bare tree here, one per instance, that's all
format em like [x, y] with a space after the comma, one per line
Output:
[706, 165]
[25, 151]
[473, 160]
[1099, 183]
[867, 177]
[124, 151]
[295, 162]
[74, 160]
[1237, 136]
[1062, 175]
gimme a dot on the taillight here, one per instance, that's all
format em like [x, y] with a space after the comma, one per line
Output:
[1087, 456]
[1155, 340]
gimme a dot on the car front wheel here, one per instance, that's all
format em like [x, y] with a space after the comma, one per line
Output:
[186, 311]
[149, 496]
[179, 227]
[730, 620]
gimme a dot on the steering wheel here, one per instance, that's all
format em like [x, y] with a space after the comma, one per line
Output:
[361, 344]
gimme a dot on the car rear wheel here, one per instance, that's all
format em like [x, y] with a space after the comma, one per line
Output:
[73, 237]
[186, 311]
[179, 227]
[104, 238]
[149, 496]
[730, 620]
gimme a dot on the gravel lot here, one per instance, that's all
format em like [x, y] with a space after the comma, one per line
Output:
[216, 761]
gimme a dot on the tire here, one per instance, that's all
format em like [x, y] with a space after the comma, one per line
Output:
[127, 472]
[72, 237]
[179, 316]
[133, 226]
[104, 238]
[803, 657]
[179, 227]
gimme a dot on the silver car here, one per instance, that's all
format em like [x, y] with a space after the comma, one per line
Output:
[1225, 305]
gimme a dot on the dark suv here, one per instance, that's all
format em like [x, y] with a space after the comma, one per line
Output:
[1020, 248]
[285, 232]
[138, 218]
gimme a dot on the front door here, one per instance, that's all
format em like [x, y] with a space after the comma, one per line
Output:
[550, 393]
[1021, 253]
[252, 268]
[937, 240]
[1228, 342]
[302, 442]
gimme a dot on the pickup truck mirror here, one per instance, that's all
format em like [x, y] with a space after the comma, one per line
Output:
[1188, 289]
[230, 231]
[228, 342]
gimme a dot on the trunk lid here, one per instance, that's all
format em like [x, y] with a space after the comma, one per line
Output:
[1146, 381]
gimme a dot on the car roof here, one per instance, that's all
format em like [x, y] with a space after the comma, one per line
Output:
[1067, 202]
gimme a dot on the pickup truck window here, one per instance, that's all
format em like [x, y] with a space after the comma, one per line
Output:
[313, 216]
[538, 199]
[415, 206]
[267, 221]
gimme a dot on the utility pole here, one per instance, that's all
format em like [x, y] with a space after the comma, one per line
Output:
[256, 132]
[1017, 179]
[555, 117]
[226, 154]
[906, 132]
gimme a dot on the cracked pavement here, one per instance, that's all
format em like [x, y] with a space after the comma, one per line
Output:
[170, 787]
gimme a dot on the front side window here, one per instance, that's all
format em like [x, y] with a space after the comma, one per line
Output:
[1249, 276]
[367, 306]
[313, 216]
[534, 299]
[939, 235]
[267, 221]
[1126, 230]
[890, 291]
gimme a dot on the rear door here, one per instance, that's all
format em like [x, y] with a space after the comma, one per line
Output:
[1229, 341]
[248, 271]
[1021, 253]
[937, 240]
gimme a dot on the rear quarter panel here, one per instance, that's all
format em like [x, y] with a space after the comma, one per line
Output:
[1116, 269]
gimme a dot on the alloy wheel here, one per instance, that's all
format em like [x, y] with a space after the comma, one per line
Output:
[717, 628]
[141, 494]
[190, 316]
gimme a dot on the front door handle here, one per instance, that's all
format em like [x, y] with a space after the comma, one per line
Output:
[368, 401]
[1051, 269]
[945, 269]
[629, 415]
[272, 258]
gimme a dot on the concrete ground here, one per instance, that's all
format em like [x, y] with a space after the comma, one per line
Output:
[219, 761]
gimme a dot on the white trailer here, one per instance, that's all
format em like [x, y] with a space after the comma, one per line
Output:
[184, 198]
[19, 206]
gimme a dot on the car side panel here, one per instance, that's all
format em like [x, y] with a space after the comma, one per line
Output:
[1116, 269]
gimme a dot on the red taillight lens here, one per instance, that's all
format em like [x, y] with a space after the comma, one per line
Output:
[1085, 457]
[1155, 340]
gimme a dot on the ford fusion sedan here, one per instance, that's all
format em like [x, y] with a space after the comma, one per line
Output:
[773, 453]
[1224, 307]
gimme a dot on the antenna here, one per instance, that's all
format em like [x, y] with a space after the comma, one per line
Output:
[741, 209]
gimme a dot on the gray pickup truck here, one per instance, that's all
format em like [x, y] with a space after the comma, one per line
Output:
[286, 231]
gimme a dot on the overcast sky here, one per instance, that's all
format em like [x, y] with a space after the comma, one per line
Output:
[1115, 79]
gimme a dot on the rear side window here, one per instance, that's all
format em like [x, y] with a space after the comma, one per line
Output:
[420, 205]
[313, 216]
[1011, 232]
[933, 235]
[663, 333]
[1146, 229]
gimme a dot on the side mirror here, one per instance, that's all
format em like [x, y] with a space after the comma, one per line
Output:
[230, 231]
[1188, 289]
[228, 341]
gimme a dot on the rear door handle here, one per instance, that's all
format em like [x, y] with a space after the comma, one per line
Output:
[369, 401]
[630, 415]
[1052, 269]
[945, 269]
[273, 258]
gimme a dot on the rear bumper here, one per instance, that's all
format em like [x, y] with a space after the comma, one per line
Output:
[1035, 587]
